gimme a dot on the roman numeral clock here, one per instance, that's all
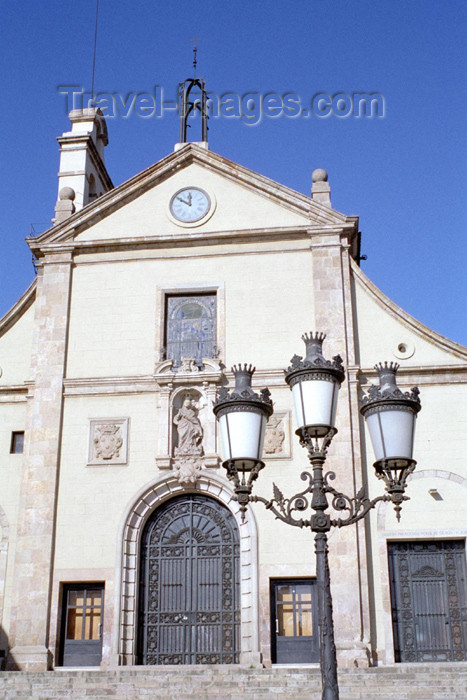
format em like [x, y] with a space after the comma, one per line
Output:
[191, 206]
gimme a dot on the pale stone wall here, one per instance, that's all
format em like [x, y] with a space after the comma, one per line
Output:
[237, 208]
[114, 309]
[422, 346]
[15, 349]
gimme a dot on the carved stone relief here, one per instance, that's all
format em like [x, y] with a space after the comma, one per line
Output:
[277, 437]
[108, 441]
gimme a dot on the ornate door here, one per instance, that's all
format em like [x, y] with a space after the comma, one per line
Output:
[189, 584]
[428, 595]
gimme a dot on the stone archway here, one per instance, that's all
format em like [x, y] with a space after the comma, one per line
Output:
[149, 499]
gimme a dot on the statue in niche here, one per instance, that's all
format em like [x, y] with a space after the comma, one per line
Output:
[189, 430]
[108, 441]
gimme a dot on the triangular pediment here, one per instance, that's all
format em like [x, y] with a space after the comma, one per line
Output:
[241, 200]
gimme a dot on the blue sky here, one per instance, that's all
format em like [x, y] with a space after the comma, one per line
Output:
[403, 174]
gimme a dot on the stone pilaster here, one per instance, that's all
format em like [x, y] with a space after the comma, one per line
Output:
[29, 640]
[348, 566]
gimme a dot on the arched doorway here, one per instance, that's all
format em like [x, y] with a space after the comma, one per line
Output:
[189, 611]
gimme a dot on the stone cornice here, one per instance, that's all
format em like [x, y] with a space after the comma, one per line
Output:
[14, 393]
[103, 386]
[141, 384]
[421, 374]
[187, 155]
[183, 238]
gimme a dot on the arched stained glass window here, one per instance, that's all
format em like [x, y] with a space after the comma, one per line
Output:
[190, 327]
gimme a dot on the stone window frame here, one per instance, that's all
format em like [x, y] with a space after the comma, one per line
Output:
[217, 288]
[127, 581]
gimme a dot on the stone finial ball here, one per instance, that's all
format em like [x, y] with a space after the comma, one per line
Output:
[67, 193]
[319, 175]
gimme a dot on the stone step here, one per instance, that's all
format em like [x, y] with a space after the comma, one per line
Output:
[400, 682]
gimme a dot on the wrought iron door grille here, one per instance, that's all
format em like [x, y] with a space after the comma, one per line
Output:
[428, 595]
[189, 588]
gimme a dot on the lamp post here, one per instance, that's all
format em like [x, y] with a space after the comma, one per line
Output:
[315, 381]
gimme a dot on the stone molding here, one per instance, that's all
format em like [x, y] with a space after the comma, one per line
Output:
[141, 508]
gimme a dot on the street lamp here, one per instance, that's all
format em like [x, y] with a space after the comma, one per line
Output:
[315, 381]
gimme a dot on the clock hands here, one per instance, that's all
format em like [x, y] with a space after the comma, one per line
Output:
[184, 201]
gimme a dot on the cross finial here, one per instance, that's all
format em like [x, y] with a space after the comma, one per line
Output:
[195, 51]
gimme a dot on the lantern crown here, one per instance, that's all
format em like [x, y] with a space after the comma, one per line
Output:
[314, 361]
[388, 391]
[243, 394]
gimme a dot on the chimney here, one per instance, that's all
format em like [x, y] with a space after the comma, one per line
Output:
[82, 167]
[320, 189]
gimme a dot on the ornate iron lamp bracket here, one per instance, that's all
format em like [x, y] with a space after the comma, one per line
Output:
[356, 507]
[318, 486]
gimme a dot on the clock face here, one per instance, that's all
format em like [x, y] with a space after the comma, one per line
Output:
[190, 204]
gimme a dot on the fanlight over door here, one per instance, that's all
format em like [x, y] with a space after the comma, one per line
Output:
[189, 584]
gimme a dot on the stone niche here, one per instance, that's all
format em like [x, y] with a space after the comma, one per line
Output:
[187, 441]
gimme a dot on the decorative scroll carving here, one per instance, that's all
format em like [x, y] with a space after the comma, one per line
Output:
[108, 441]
